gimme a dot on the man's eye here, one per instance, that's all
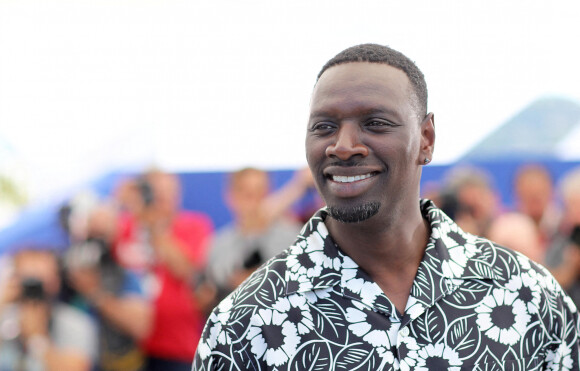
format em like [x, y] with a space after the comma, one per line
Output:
[379, 123]
[322, 126]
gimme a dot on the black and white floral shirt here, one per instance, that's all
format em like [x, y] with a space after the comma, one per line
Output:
[473, 306]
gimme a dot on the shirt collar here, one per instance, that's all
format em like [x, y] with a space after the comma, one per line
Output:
[315, 261]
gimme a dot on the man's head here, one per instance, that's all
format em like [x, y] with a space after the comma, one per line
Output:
[374, 53]
[247, 189]
[166, 188]
[534, 191]
[368, 135]
[41, 265]
[570, 191]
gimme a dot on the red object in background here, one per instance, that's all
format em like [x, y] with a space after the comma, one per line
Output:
[177, 321]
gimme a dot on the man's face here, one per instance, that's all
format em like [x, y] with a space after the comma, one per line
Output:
[248, 193]
[534, 193]
[365, 143]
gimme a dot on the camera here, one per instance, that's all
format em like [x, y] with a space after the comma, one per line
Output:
[32, 289]
[145, 191]
[575, 235]
[92, 252]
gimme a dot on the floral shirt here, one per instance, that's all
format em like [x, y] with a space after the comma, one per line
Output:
[473, 306]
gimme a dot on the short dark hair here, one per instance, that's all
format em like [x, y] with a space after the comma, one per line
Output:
[375, 53]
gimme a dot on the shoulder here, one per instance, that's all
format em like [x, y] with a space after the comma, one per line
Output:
[262, 289]
[265, 285]
[72, 318]
[187, 217]
[256, 301]
[533, 283]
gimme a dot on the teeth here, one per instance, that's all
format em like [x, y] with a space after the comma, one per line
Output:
[350, 179]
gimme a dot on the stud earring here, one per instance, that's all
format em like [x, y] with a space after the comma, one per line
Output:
[426, 161]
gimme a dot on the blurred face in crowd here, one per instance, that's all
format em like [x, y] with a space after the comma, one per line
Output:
[534, 192]
[166, 191]
[479, 200]
[41, 265]
[519, 233]
[364, 140]
[572, 207]
[247, 191]
[103, 222]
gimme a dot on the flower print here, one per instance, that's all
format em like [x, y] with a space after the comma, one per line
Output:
[408, 349]
[216, 332]
[351, 281]
[272, 337]
[298, 282]
[437, 357]
[459, 252]
[560, 358]
[370, 326]
[298, 312]
[314, 295]
[527, 289]
[307, 256]
[524, 261]
[503, 316]
[414, 308]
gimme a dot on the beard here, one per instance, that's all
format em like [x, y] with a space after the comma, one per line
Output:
[354, 214]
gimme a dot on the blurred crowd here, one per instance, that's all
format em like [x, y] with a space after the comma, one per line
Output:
[134, 288]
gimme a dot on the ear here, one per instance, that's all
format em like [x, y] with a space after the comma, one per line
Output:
[427, 137]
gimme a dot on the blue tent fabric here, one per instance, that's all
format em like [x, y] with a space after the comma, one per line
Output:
[203, 191]
[35, 227]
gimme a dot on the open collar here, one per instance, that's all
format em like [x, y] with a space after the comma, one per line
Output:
[452, 256]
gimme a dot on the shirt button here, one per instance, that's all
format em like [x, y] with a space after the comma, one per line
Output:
[404, 332]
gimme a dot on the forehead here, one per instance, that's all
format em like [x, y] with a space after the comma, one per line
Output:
[376, 85]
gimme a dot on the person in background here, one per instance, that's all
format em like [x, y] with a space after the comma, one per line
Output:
[110, 291]
[259, 229]
[475, 202]
[563, 254]
[166, 247]
[37, 332]
[534, 194]
[518, 232]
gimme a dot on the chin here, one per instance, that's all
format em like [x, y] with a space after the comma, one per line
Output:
[355, 213]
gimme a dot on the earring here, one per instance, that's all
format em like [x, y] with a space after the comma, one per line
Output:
[427, 161]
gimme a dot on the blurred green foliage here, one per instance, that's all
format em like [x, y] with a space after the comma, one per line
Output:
[10, 192]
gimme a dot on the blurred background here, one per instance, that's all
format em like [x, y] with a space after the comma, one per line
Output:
[96, 94]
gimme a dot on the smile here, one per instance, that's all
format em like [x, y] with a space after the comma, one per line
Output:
[350, 179]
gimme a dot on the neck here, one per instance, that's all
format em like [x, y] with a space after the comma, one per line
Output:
[249, 225]
[388, 249]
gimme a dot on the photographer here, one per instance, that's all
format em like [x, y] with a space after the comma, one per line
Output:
[166, 246]
[111, 292]
[259, 227]
[563, 255]
[37, 332]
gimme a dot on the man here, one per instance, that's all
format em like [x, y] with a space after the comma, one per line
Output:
[563, 254]
[166, 246]
[37, 332]
[113, 294]
[379, 280]
[534, 193]
[258, 231]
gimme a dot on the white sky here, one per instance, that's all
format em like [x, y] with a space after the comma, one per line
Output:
[91, 86]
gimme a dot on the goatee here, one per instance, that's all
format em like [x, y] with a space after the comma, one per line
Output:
[354, 214]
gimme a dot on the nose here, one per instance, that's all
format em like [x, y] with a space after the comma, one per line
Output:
[347, 143]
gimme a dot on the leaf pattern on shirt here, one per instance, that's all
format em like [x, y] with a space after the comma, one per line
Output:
[473, 306]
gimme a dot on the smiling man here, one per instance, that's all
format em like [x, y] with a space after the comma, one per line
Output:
[379, 279]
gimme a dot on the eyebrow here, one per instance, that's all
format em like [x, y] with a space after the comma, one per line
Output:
[369, 112]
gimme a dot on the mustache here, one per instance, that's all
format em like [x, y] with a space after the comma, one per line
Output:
[347, 163]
